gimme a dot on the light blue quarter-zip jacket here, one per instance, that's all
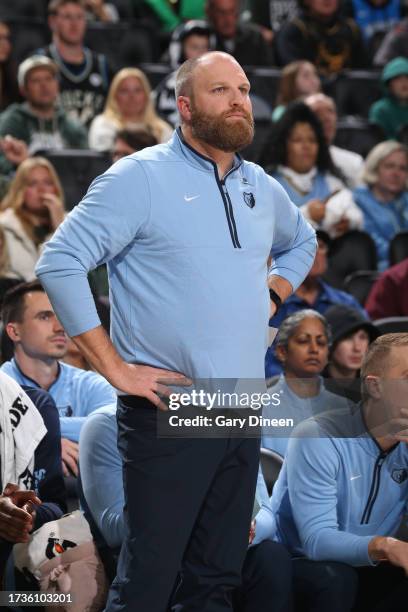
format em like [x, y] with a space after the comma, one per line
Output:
[336, 491]
[76, 393]
[187, 260]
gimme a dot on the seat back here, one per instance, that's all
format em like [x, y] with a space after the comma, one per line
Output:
[358, 135]
[155, 72]
[76, 169]
[355, 91]
[271, 463]
[124, 44]
[359, 284]
[254, 151]
[392, 325]
[27, 36]
[399, 247]
[264, 82]
[352, 252]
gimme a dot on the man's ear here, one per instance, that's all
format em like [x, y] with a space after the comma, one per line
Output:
[184, 108]
[13, 332]
[281, 353]
[373, 386]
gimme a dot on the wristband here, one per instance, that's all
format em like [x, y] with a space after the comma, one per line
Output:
[275, 299]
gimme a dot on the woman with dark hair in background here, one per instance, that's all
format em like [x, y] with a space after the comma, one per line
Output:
[302, 347]
[8, 72]
[298, 157]
[298, 79]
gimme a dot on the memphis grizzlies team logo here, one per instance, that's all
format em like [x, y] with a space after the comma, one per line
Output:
[399, 476]
[249, 199]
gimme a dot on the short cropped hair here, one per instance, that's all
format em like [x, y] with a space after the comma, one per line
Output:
[379, 351]
[183, 86]
[13, 305]
[55, 5]
[376, 156]
[377, 356]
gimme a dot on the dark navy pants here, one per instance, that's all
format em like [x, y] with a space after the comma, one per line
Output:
[266, 580]
[188, 505]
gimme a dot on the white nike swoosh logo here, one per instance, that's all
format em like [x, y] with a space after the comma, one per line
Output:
[189, 198]
[354, 477]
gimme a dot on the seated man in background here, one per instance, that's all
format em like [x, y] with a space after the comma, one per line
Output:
[324, 37]
[32, 488]
[313, 293]
[39, 343]
[242, 40]
[343, 491]
[38, 123]
[84, 74]
[389, 294]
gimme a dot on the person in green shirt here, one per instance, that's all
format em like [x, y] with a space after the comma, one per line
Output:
[38, 123]
[168, 15]
[391, 111]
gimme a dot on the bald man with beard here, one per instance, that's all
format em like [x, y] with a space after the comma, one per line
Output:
[186, 229]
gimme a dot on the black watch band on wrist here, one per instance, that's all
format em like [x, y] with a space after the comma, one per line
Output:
[275, 299]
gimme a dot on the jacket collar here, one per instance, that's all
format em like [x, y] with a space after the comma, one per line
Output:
[178, 144]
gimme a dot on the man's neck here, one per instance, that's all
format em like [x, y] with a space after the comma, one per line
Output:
[73, 54]
[223, 160]
[42, 113]
[43, 371]
[303, 387]
[377, 423]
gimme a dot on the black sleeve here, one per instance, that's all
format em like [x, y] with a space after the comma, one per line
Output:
[260, 13]
[48, 475]
[265, 53]
[291, 44]
[359, 55]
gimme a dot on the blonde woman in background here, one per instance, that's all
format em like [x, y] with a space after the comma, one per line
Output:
[32, 210]
[298, 80]
[4, 255]
[128, 105]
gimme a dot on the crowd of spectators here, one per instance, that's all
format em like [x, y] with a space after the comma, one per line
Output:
[74, 90]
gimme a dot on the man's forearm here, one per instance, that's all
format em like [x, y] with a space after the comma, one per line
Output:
[279, 284]
[98, 350]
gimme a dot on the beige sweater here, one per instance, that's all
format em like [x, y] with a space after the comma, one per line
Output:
[23, 253]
